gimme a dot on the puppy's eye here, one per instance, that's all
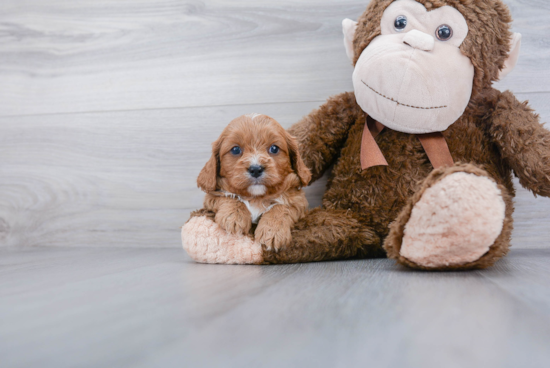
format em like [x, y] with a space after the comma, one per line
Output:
[236, 150]
[274, 149]
[400, 23]
[444, 32]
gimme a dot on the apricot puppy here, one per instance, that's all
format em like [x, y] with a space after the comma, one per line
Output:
[255, 176]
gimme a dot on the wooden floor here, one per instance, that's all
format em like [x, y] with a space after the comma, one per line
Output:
[155, 308]
[107, 112]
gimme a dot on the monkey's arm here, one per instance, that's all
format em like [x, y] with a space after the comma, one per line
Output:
[322, 133]
[523, 142]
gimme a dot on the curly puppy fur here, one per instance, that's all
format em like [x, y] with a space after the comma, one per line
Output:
[255, 182]
[496, 136]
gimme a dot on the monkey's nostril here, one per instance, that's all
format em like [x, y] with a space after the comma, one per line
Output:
[256, 171]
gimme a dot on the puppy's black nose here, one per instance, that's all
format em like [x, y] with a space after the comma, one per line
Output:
[256, 170]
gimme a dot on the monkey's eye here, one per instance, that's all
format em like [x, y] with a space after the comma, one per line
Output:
[400, 23]
[274, 149]
[236, 150]
[444, 32]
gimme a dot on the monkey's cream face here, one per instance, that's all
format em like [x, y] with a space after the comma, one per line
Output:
[413, 78]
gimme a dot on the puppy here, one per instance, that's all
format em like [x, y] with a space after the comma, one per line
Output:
[255, 176]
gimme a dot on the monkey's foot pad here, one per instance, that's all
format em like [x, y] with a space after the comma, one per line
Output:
[206, 242]
[455, 221]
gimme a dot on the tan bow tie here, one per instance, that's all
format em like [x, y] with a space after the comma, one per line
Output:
[434, 144]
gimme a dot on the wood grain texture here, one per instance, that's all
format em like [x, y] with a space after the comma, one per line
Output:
[156, 308]
[129, 178]
[98, 143]
[111, 179]
[148, 54]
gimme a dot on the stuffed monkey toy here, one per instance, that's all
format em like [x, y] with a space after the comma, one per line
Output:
[422, 152]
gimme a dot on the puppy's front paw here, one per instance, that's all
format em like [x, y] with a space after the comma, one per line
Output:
[273, 237]
[234, 222]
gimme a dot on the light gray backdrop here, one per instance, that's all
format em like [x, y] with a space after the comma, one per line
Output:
[108, 108]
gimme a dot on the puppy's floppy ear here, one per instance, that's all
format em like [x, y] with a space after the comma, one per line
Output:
[296, 161]
[208, 176]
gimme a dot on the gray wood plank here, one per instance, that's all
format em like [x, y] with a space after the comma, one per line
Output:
[104, 55]
[152, 308]
[129, 178]
[101, 55]
[111, 179]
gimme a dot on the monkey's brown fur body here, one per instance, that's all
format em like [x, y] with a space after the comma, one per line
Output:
[358, 206]
[364, 212]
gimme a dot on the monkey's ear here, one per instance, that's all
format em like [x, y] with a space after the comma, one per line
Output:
[510, 63]
[208, 176]
[349, 27]
[298, 164]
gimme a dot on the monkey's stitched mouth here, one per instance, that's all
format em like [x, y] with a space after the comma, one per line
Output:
[399, 103]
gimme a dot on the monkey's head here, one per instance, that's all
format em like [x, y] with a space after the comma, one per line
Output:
[418, 63]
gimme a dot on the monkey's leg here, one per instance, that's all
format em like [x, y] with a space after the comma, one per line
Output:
[459, 219]
[321, 235]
